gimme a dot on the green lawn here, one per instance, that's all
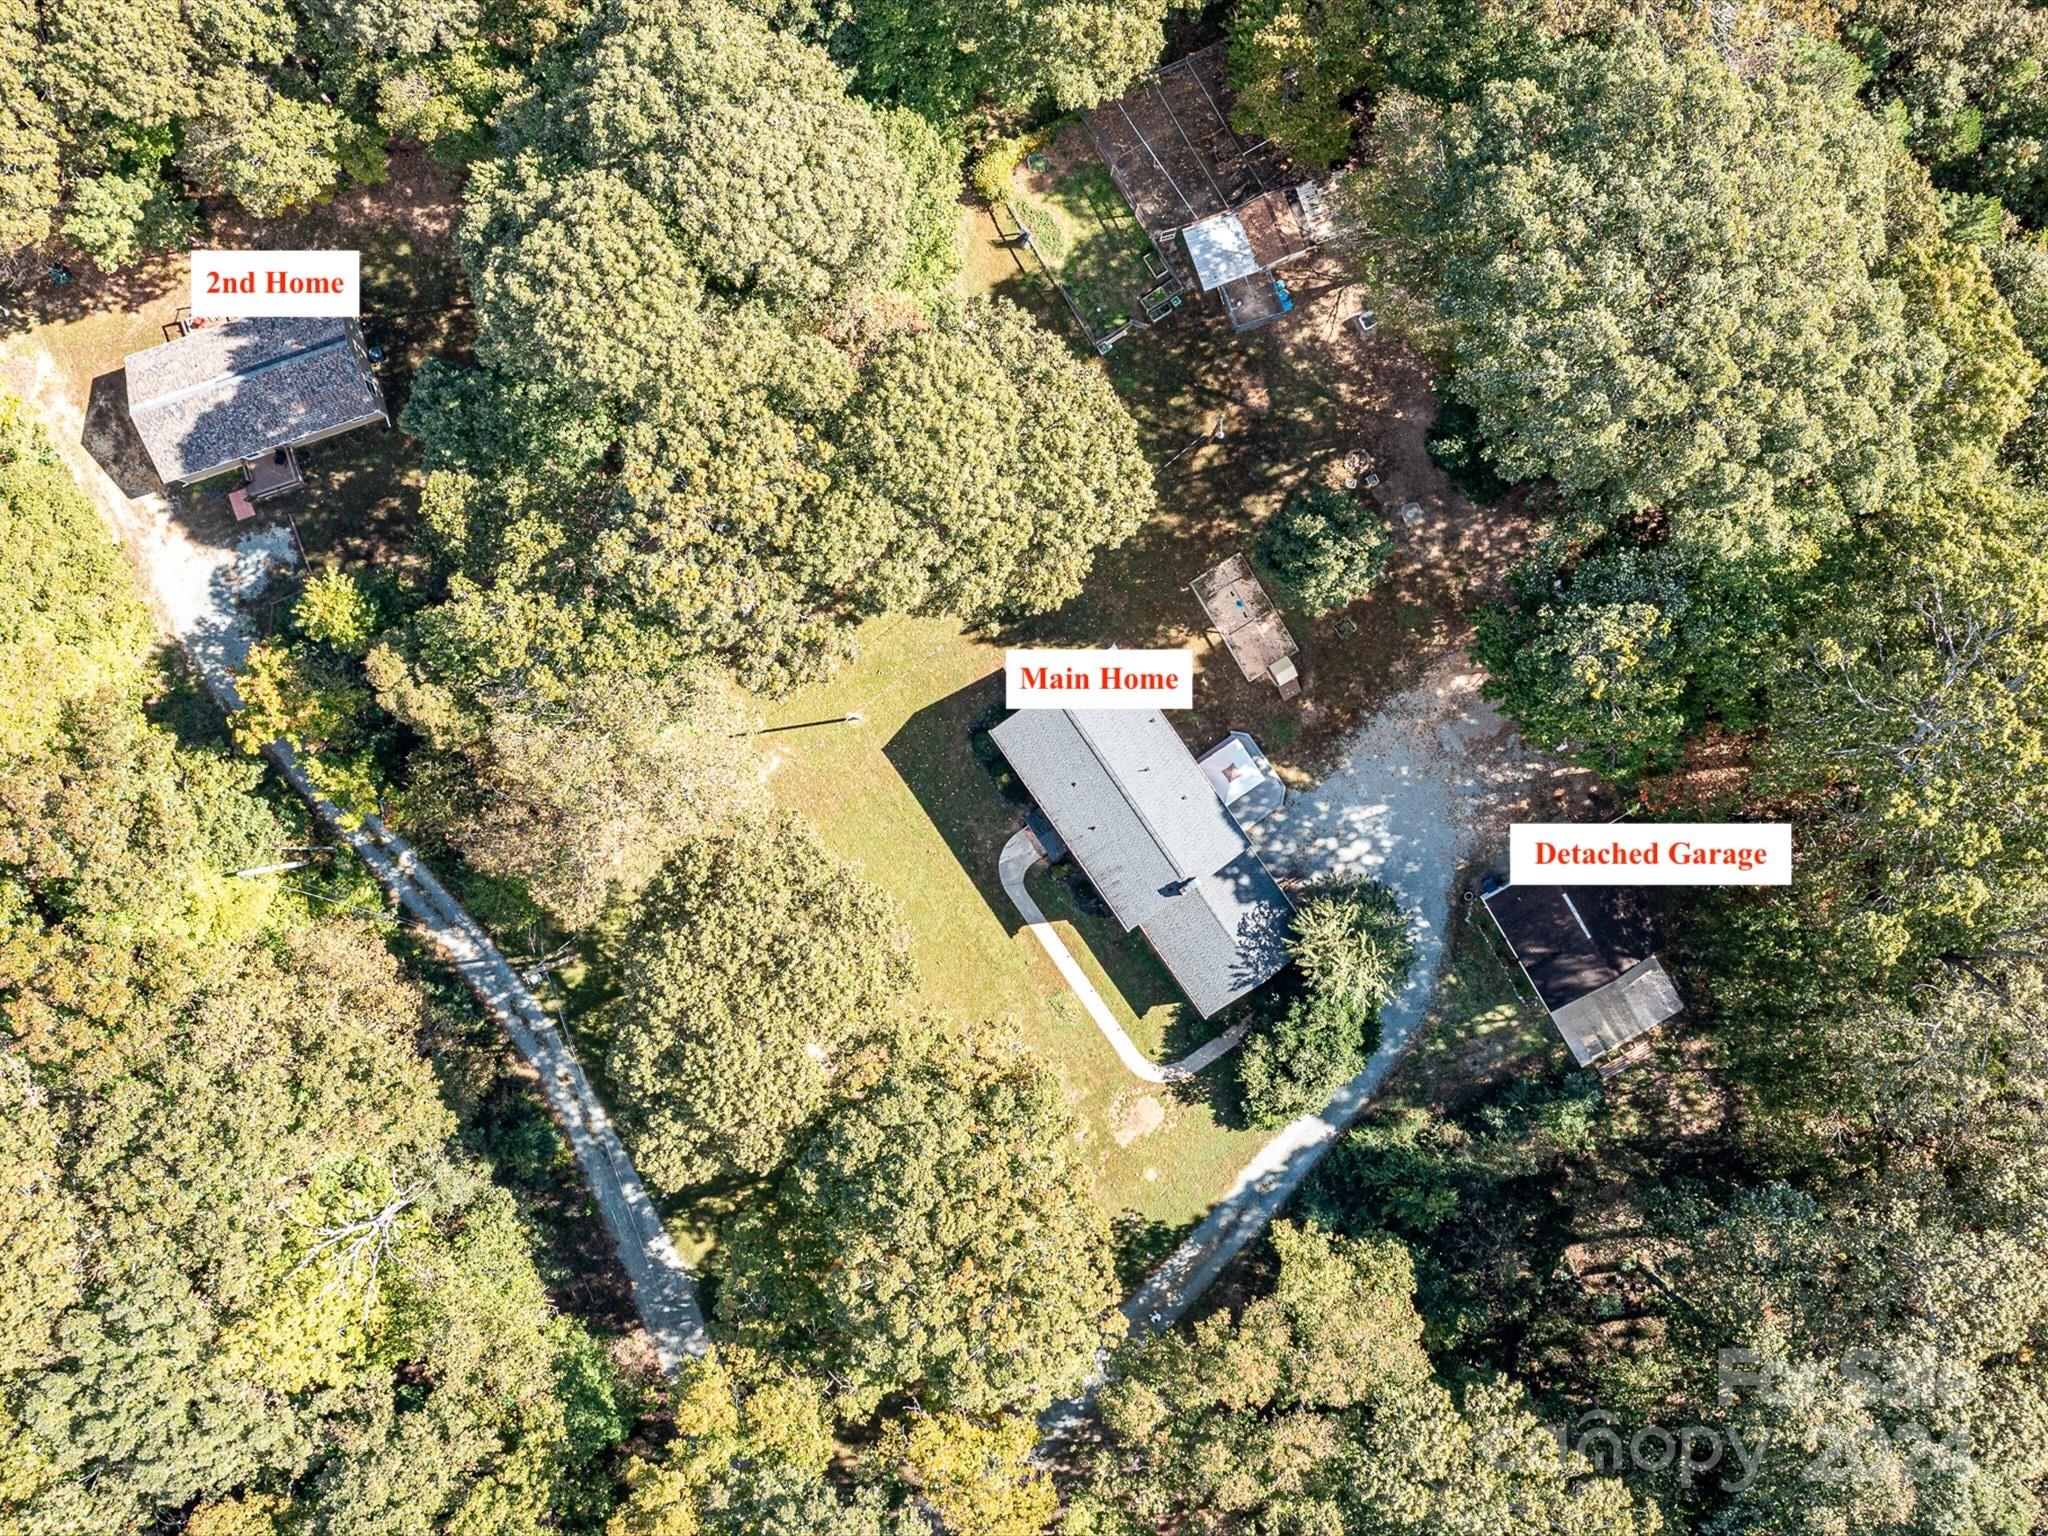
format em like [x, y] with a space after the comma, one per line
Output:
[1083, 228]
[1139, 989]
[902, 794]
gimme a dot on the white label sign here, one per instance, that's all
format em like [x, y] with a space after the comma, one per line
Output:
[1650, 853]
[1099, 679]
[233, 285]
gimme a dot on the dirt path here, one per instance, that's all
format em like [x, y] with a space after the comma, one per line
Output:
[198, 592]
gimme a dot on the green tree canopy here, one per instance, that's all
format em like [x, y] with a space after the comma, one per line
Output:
[1874, 1356]
[241, 1247]
[987, 467]
[1917, 714]
[771, 180]
[750, 1454]
[1352, 951]
[935, 1231]
[943, 59]
[1316, 1406]
[754, 969]
[1325, 549]
[1665, 287]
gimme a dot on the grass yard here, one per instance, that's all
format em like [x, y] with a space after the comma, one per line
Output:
[902, 794]
[362, 490]
[1081, 225]
[1139, 989]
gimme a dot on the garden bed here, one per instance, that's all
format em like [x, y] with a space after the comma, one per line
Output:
[1083, 231]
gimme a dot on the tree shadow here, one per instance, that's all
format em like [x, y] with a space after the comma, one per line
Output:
[33, 294]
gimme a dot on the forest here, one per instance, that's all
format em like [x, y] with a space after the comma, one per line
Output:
[1743, 306]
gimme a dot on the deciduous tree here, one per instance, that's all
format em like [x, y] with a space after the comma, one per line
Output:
[1317, 1406]
[754, 968]
[937, 1231]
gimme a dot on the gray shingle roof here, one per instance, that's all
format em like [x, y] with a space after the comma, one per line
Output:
[1140, 818]
[1128, 799]
[1225, 935]
[238, 390]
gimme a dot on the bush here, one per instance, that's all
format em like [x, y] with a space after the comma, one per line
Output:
[1352, 951]
[1325, 550]
[990, 174]
[335, 611]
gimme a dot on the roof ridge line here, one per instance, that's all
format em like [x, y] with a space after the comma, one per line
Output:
[188, 390]
[1123, 789]
[1138, 810]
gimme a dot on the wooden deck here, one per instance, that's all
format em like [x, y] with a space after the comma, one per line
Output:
[1240, 611]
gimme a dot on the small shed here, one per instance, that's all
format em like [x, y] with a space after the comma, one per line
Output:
[238, 394]
[1589, 951]
[1252, 629]
[1221, 249]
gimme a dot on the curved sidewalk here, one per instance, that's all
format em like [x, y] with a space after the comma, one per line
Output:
[1020, 854]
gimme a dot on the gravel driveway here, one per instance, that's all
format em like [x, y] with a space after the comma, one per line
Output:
[1428, 784]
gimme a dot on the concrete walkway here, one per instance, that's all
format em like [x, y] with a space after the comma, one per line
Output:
[197, 592]
[1021, 854]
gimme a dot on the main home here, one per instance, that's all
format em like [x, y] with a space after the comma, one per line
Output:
[1117, 791]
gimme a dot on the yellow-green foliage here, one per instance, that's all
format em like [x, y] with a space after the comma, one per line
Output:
[70, 623]
[976, 1475]
[990, 174]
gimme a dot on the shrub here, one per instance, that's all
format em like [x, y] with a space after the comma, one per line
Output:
[990, 174]
[1325, 549]
[1353, 952]
[335, 611]
[1455, 448]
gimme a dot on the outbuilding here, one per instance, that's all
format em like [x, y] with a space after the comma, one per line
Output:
[1589, 951]
[247, 394]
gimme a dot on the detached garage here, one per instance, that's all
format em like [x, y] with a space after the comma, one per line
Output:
[1589, 953]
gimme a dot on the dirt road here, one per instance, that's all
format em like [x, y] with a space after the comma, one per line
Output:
[1427, 784]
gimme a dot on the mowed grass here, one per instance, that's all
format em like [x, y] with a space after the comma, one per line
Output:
[902, 795]
[1132, 979]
